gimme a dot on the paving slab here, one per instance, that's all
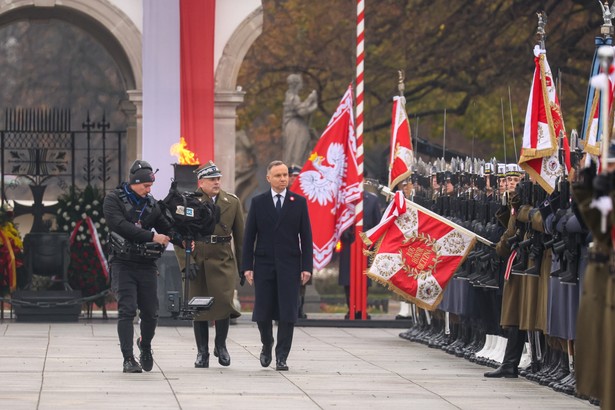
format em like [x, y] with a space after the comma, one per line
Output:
[79, 366]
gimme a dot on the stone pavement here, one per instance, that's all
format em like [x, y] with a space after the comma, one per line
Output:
[78, 366]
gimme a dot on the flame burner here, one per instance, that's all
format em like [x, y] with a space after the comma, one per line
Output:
[185, 177]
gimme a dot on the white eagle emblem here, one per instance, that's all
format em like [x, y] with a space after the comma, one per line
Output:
[325, 182]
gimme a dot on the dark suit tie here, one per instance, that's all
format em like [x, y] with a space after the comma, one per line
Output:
[278, 203]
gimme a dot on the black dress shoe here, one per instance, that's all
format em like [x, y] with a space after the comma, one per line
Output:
[508, 372]
[202, 360]
[281, 365]
[266, 355]
[222, 354]
[131, 366]
[145, 357]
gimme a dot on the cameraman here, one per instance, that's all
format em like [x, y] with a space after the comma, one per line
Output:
[131, 214]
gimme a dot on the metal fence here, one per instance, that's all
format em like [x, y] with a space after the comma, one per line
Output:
[39, 147]
[42, 155]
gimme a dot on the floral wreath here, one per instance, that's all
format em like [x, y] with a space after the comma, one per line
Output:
[11, 250]
[80, 214]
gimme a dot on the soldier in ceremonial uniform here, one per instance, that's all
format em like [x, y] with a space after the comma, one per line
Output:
[513, 287]
[594, 347]
[215, 266]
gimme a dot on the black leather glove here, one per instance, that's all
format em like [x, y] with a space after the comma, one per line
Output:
[587, 175]
[602, 185]
[242, 278]
[193, 271]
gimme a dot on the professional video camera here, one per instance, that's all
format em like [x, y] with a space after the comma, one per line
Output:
[193, 219]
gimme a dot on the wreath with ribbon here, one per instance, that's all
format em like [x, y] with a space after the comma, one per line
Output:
[11, 251]
[80, 213]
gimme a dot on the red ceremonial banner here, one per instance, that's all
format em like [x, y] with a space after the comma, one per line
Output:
[197, 22]
[544, 124]
[416, 254]
[401, 156]
[330, 182]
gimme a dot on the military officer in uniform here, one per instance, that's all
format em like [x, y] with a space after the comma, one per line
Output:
[594, 344]
[215, 266]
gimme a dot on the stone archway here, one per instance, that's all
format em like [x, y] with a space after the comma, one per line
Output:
[113, 29]
[228, 96]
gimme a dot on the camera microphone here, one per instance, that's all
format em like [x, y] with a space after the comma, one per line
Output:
[195, 193]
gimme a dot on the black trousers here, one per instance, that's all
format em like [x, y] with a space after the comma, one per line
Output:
[136, 286]
[285, 337]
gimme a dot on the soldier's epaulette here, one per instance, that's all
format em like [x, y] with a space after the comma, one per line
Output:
[233, 195]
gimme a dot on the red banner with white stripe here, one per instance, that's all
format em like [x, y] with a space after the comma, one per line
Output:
[416, 254]
[329, 180]
[401, 156]
[544, 124]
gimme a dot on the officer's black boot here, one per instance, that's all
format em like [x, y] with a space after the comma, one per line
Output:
[201, 336]
[220, 347]
[512, 356]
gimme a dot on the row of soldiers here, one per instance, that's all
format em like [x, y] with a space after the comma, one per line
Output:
[544, 293]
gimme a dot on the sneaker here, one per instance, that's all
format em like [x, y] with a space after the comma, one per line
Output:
[131, 365]
[147, 361]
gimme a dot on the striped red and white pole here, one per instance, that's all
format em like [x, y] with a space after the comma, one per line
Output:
[358, 294]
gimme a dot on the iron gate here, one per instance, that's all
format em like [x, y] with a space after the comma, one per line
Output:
[41, 156]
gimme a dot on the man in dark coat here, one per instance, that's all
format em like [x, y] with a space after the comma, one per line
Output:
[277, 259]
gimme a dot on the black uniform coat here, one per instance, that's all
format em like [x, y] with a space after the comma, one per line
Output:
[277, 249]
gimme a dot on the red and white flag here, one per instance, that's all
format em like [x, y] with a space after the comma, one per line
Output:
[416, 254]
[592, 139]
[401, 156]
[543, 125]
[329, 180]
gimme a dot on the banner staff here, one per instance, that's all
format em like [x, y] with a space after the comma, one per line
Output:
[358, 281]
[605, 55]
[512, 126]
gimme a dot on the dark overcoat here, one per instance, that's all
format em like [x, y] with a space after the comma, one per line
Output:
[277, 248]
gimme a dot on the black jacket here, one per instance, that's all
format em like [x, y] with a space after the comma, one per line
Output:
[123, 209]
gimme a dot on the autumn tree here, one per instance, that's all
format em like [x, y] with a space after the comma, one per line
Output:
[470, 57]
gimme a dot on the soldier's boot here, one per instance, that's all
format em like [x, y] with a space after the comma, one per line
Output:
[512, 356]
[201, 336]
[220, 344]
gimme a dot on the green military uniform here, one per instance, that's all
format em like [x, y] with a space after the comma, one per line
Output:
[526, 303]
[534, 294]
[218, 266]
[591, 362]
[608, 393]
[512, 287]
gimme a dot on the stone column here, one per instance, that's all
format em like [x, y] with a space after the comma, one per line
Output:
[225, 124]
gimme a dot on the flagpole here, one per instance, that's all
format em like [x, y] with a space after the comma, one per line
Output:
[444, 137]
[605, 55]
[512, 126]
[358, 281]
